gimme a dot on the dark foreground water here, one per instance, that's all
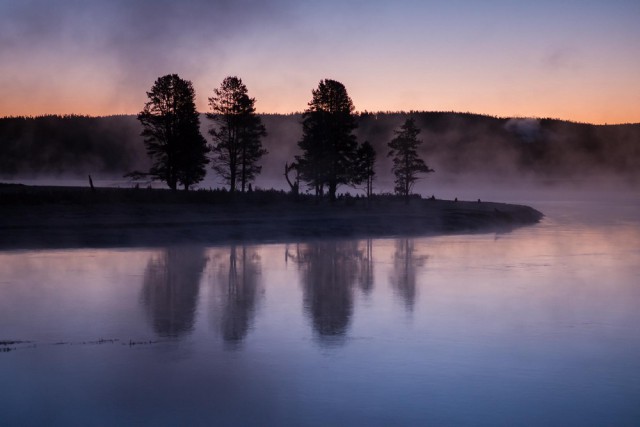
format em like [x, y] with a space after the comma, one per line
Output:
[537, 327]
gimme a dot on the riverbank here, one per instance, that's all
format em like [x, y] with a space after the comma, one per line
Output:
[68, 217]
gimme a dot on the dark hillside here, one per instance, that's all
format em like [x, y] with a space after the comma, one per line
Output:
[455, 143]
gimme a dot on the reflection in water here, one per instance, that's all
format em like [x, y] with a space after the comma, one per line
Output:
[238, 282]
[366, 277]
[330, 270]
[535, 328]
[170, 289]
[405, 264]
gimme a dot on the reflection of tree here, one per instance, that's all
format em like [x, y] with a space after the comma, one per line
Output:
[170, 289]
[405, 264]
[329, 273]
[365, 277]
[238, 282]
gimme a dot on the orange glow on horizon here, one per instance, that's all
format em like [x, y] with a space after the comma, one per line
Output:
[580, 112]
[567, 61]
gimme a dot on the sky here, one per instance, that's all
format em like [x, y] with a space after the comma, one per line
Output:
[566, 59]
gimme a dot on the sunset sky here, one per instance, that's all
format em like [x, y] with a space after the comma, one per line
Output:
[573, 59]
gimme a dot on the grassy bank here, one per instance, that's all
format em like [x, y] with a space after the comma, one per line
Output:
[66, 217]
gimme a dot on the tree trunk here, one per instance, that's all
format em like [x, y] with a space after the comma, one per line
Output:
[243, 177]
[243, 165]
[406, 177]
[332, 190]
[232, 178]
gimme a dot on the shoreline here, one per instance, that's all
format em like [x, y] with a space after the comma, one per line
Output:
[74, 217]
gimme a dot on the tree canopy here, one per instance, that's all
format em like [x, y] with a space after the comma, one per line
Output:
[171, 128]
[237, 136]
[407, 164]
[328, 144]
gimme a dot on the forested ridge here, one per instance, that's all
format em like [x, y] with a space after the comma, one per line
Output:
[454, 143]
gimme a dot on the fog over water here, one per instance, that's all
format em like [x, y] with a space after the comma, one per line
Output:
[533, 327]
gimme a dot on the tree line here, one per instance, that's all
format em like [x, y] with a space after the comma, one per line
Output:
[459, 144]
[330, 155]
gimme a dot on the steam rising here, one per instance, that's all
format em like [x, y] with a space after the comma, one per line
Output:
[460, 147]
[528, 129]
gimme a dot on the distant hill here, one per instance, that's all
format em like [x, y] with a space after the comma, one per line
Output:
[70, 145]
[455, 143]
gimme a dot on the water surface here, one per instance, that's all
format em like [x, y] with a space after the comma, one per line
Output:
[534, 327]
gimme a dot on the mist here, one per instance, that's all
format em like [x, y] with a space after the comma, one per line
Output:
[466, 150]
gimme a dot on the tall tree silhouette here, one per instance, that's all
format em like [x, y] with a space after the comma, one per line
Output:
[328, 144]
[237, 135]
[171, 128]
[365, 166]
[407, 164]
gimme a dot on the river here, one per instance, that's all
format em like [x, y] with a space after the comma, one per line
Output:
[539, 326]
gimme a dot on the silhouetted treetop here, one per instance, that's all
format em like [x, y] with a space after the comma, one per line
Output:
[407, 164]
[171, 131]
[328, 144]
[330, 97]
[237, 134]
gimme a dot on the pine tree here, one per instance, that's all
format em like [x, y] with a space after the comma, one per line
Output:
[171, 128]
[365, 166]
[328, 144]
[237, 135]
[407, 164]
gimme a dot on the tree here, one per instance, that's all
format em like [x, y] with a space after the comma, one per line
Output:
[328, 145]
[365, 166]
[171, 128]
[237, 144]
[407, 164]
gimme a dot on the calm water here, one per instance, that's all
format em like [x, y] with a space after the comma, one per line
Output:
[536, 327]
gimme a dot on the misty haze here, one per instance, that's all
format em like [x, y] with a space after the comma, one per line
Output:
[336, 213]
[461, 147]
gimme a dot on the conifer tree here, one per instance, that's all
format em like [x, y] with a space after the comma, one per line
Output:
[171, 128]
[237, 134]
[328, 144]
[365, 165]
[407, 164]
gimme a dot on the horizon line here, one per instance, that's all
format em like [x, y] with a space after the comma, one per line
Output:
[358, 113]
